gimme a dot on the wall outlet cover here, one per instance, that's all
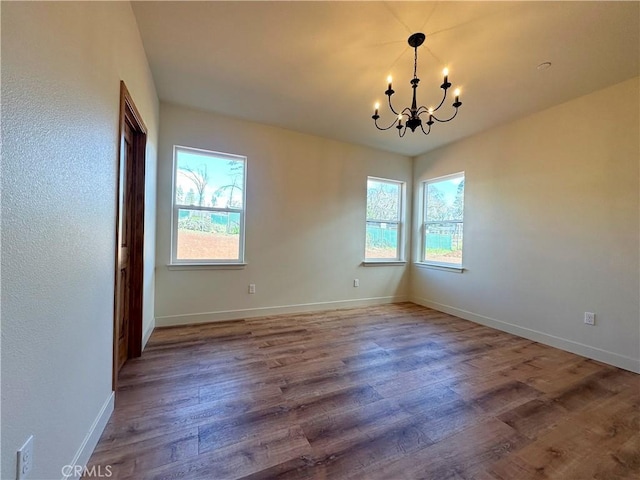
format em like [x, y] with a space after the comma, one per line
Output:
[589, 318]
[25, 459]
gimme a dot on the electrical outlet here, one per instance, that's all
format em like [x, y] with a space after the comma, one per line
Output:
[356, 282]
[25, 459]
[252, 288]
[589, 318]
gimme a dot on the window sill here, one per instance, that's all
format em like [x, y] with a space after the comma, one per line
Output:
[440, 266]
[383, 263]
[206, 266]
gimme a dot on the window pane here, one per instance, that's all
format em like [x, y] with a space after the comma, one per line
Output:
[443, 243]
[383, 200]
[382, 240]
[209, 180]
[206, 235]
[445, 200]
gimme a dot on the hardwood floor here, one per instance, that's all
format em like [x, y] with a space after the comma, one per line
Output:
[389, 392]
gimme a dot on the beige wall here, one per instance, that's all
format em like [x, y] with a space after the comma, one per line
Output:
[62, 63]
[305, 223]
[551, 226]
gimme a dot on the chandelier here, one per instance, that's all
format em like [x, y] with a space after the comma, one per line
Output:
[413, 113]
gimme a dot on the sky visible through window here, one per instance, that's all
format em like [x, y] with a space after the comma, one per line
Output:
[383, 200]
[448, 189]
[223, 179]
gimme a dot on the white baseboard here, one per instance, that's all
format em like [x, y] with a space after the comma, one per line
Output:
[148, 332]
[594, 353]
[173, 320]
[90, 441]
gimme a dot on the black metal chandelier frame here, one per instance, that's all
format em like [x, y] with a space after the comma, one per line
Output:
[413, 120]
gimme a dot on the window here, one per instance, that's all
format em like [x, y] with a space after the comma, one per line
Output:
[443, 220]
[208, 207]
[385, 215]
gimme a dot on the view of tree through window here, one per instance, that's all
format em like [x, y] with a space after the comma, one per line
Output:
[443, 220]
[384, 219]
[208, 206]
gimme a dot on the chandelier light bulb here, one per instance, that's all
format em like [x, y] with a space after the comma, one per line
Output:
[389, 79]
[445, 72]
[457, 103]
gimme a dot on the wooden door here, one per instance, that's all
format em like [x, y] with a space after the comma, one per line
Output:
[129, 266]
[123, 289]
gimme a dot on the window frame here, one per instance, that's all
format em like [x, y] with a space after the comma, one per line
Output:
[175, 209]
[400, 223]
[424, 261]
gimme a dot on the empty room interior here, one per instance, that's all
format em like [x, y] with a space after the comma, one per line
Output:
[320, 240]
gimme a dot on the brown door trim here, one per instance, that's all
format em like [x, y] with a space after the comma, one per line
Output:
[130, 115]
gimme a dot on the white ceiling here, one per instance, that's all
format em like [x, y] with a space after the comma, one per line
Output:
[318, 67]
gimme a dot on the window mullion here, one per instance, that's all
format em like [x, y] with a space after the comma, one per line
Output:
[393, 222]
[431, 222]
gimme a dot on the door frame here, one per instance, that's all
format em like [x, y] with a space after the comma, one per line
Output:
[130, 114]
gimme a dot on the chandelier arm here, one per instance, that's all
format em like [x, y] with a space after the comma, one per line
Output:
[375, 121]
[403, 130]
[391, 107]
[444, 97]
[406, 111]
[427, 132]
[422, 110]
[448, 119]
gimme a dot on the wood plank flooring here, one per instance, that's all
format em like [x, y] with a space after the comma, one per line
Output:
[388, 392]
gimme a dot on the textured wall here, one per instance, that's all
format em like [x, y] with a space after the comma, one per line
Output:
[305, 222]
[62, 63]
[551, 226]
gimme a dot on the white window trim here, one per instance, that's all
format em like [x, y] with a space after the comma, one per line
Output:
[400, 259]
[446, 267]
[382, 262]
[185, 264]
[207, 266]
[424, 262]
